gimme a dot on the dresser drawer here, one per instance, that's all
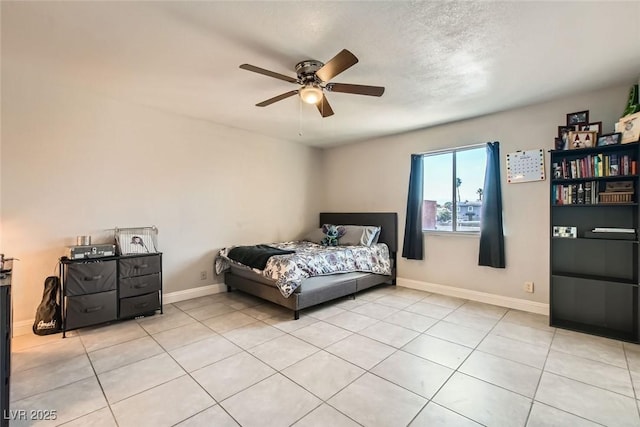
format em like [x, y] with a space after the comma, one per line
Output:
[139, 266]
[91, 309]
[90, 278]
[136, 306]
[139, 285]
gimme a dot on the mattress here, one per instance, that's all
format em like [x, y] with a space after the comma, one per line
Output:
[311, 260]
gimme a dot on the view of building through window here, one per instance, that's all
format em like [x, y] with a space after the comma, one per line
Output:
[453, 203]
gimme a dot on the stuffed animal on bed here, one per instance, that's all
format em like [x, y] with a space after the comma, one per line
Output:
[332, 234]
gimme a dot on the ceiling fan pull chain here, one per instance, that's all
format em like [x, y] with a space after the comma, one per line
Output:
[299, 116]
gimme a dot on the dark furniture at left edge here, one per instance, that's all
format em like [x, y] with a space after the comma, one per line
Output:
[5, 347]
[100, 290]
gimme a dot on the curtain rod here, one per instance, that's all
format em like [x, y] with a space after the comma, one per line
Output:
[443, 150]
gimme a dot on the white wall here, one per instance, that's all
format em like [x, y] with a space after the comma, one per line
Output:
[374, 175]
[75, 163]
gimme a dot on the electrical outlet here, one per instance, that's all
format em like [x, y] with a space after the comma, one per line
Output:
[528, 287]
[203, 275]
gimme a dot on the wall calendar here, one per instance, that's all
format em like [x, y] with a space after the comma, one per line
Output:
[525, 166]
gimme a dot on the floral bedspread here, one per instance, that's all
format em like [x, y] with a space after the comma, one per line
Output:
[311, 259]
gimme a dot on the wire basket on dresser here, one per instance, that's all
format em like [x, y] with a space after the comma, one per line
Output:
[137, 240]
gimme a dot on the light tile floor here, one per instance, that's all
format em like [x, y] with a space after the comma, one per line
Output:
[391, 357]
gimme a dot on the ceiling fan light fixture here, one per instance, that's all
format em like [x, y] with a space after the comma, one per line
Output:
[311, 94]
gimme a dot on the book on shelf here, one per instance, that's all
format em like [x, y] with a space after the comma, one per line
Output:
[595, 165]
[580, 195]
[587, 193]
[614, 168]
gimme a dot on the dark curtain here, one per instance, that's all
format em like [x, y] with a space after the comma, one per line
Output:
[491, 235]
[412, 248]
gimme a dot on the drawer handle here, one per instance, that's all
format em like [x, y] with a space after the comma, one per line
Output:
[90, 279]
[141, 285]
[141, 305]
[92, 309]
[140, 266]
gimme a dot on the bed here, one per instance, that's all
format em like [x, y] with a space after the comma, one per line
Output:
[319, 289]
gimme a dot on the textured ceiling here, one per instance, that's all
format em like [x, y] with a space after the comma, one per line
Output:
[439, 61]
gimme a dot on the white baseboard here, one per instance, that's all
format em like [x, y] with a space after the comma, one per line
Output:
[24, 327]
[201, 291]
[517, 303]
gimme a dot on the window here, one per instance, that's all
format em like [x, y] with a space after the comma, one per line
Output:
[453, 183]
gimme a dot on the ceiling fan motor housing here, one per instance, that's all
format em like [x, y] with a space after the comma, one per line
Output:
[306, 71]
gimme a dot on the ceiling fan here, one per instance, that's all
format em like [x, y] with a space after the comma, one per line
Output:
[314, 78]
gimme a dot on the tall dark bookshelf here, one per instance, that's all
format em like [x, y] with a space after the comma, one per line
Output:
[594, 276]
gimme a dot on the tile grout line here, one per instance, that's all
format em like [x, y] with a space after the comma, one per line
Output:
[457, 370]
[365, 371]
[113, 415]
[633, 387]
[187, 373]
[540, 380]
[542, 371]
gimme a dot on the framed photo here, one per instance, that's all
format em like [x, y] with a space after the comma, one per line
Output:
[629, 126]
[560, 144]
[563, 134]
[609, 139]
[564, 231]
[582, 139]
[578, 118]
[597, 126]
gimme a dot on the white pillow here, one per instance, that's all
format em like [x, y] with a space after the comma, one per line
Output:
[373, 234]
[359, 235]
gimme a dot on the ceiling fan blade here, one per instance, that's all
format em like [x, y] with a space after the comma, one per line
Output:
[324, 107]
[273, 74]
[276, 98]
[336, 65]
[356, 89]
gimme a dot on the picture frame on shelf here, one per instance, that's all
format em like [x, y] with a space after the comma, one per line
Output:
[597, 126]
[560, 144]
[565, 231]
[629, 126]
[582, 139]
[578, 118]
[609, 139]
[563, 134]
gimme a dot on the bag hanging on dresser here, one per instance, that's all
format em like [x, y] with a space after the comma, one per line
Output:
[48, 318]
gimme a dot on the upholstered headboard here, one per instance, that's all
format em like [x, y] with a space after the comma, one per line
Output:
[388, 221]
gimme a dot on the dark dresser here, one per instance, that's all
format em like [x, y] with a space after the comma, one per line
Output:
[5, 346]
[100, 290]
